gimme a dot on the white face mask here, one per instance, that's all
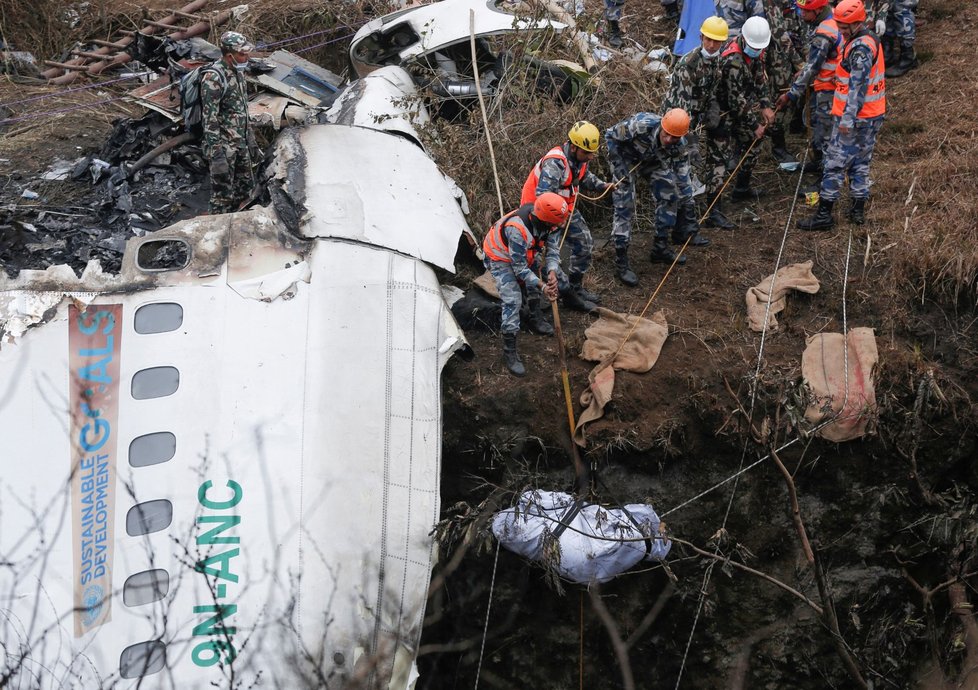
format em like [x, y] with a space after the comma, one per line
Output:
[707, 54]
[241, 66]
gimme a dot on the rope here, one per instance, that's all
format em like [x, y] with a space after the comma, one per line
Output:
[34, 116]
[485, 629]
[294, 39]
[320, 45]
[750, 413]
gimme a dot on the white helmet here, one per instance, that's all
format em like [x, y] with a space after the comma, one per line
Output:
[756, 33]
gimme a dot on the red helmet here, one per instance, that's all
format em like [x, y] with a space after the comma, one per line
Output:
[811, 5]
[850, 12]
[551, 208]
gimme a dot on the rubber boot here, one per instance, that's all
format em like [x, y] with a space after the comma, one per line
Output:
[511, 357]
[742, 190]
[857, 211]
[614, 34]
[779, 147]
[716, 219]
[570, 299]
[821, 220]
[662, 253]
[622, 269]
[908, 61]
[537, 321]
[577, 283]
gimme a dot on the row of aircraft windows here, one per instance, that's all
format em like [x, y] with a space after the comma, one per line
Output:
[147, 658]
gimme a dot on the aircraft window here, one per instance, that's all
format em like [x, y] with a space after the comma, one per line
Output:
[149, 517]
[142, 659]
[152, 449]
[163, 255]
[158, 318]
[155, 382]
[145, 587]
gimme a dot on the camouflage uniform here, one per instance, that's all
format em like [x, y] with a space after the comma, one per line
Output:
[900, 19]
[741, 91]
[635, 142]
[552, 173]
[736, 12]
[509, 275]
[224, 110]
[692, 87]
[820, 48]
[850, 154]
[781, 58]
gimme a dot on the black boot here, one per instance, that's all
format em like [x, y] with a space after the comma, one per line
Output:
[687, 225]
[857, 211]
[622, 269]
[908, 61]
[822, 220]
[662, 253]
[814, 164]
[537, 321]
[716, 219]
[889, 50]
[614, 34]
[742, 190]
[511, 357]
[577, 284]
[570, 299]
[779, 147]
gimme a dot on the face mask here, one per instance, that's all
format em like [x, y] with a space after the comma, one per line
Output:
[241, 66]
[708, 55]
[753, 52]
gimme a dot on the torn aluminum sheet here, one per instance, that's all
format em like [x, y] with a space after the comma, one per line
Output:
[399, 37]
[232, 447]
[385, 99]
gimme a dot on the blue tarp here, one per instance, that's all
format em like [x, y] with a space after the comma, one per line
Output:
[694, 12]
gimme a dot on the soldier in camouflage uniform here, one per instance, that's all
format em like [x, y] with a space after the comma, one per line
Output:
[824, 52]
[745, 111]
[512, 250]
[612, 15]
[692, 87]
[896, 24]
[859, 107]
[224, 111]
[650, 147]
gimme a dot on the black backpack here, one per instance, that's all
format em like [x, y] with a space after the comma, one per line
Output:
[188, 87]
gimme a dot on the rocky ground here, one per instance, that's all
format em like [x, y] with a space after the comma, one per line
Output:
[891, 517]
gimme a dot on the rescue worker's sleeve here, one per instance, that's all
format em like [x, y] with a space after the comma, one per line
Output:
[517, 253]
[592, 183]
[553, 252]
[680, 88]
[818, 53]
[861, 64]
[739, 84]
[552, 174]
[211, 93]
[684, 183]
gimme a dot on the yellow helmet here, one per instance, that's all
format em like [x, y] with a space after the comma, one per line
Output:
[584, 135]
[715, 28]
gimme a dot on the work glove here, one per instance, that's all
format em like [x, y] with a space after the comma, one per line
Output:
[219, 165]
[880, 27]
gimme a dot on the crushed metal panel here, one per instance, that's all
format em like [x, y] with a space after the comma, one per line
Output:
[416, 31]
[268, 110]
[386, 99]
[378, 188]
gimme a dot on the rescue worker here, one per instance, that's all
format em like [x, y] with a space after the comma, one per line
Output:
[612, 16]
[824, 53]
[564, 170]
[859, 107]
[512, 251]
[224, 115]
[650, 147]
[745, 108]
[692, 87]
[896, 25]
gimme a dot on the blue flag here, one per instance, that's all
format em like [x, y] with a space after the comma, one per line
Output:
[694, 12]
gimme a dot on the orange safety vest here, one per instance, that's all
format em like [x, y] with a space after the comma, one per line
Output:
[496, 246]
[875, 103]
[568, 186]
[829, 28]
